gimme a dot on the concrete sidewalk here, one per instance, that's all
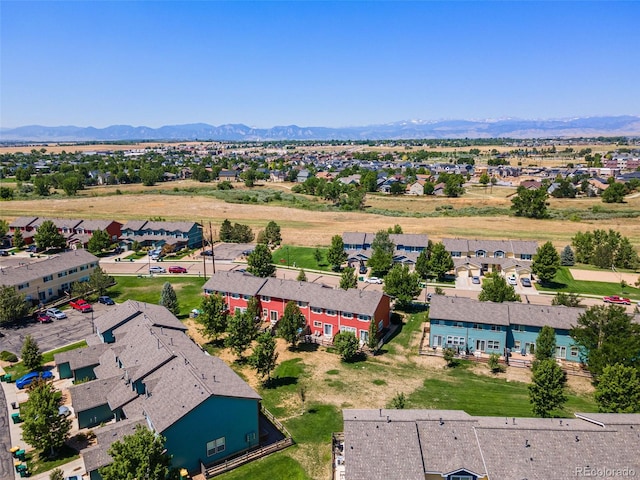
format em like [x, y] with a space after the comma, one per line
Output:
[13, 395]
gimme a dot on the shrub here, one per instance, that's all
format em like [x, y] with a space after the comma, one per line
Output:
[8, 356]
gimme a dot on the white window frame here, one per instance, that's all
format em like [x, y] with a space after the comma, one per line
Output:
[216, 446]
[574, 352]
[329, 329]
[235, 296]
[561, 351]
[364, 336]
[364, 318]
[493, 344]
[264, 298]
[316, 310]
[348, 315]
[317, 324]
[302, 304]
[330, 313]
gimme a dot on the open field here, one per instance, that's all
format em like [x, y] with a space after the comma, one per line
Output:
[315, 228]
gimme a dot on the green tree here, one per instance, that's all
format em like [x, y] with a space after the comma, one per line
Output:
[43, 427]
[242, 329]
[18, 239]
[99, 241]
[496, 289]
[349, 278]
[6, 193]
[382, 249]
[396, 229]
[47, 236]
[618, 389]
[336, 255]
[402, 285]
[169, 299]
[141, 455]
[4, 228]
[614, 193]
[272, 234]
[530, 203]
[347, 346]
[42, 186]
[440, 261]
[226, 231]
[494, 363]
[372, 341]
[71, 184]
[291, 323]
[13, 305]
[242, 233]
[214, 317]
[607, 336]
[484, 180]
[31, 356]
[56, 474]
[99, 281]
[545, 344]
[317, 256]
[449, 355]
[260, 262]
[302, 276]
[423, 267]
[546, 263]
[547, 393]
[566, 299]
[135, 246]
[567, 258]
[264, 356]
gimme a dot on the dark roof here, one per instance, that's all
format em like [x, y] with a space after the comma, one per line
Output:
[80, 358]
[97, 456]
[155, 315]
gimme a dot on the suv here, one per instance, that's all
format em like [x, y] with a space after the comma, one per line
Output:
[373, 280]
[156, 269]
[55, 313]
[81, 305]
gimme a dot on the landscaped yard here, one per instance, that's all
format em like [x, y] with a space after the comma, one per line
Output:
[188, 290]
[17, 370]
[301, 257]
[564, 282]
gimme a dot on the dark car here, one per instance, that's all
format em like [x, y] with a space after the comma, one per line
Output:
[525, 282]
[106, 300]
[4, 253]
[206, 253]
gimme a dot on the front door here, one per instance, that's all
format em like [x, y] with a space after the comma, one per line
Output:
[481, 345]
[437, 341]
[328, 330]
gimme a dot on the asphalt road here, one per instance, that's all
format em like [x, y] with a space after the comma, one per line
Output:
[6, 460]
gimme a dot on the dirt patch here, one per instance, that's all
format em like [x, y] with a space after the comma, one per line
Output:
[603, 276]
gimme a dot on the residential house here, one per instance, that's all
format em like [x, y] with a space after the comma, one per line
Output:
[83, 232]
[438, 189]
[156, 234]
[407, 246]
[303, 176]
[475, 257]
[416, 188]
[485, 327]
[45, 279]
[150, 372]
[452, 445]
[326, 310]
[228, 175]
[75, 231]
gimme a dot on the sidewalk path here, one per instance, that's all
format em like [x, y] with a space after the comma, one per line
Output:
[6, 460]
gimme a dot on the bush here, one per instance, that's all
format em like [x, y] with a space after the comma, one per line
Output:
[494, 363]
[8, 356]
[347, 345]
[449, 356]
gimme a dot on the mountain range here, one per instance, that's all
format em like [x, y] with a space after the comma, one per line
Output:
[608, 126]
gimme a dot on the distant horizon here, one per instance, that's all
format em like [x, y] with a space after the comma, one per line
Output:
[315, 63]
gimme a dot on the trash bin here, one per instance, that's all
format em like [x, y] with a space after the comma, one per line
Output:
[20, 455]
[8, 377]
[15, 418]
[15, 405]
[184, 474]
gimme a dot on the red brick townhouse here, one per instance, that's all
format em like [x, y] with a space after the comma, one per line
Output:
[327, 310]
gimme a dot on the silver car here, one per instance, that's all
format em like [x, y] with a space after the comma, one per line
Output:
[55, 313]
[156, 269]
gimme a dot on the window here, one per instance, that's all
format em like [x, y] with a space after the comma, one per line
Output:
[347, 315]
[453, 340]
[516, 345]
[518, 328]
[495, 328]
[481, 253]
[574, 352]
[317, 324]
[265, 298]
[493, 345]
[328, 330]
[216, 446]
[302, 304]
[235, 296]
[364, 318]
[23, 286]
[461, 477]
[251, 437]
[274, 316]
[348, 329]
[48, 278]
[62, 274]
[246, 297]
[561, 352]
[435, 322]
[526, 256]
[477, 326]
[499, 254]
[316, 310]
[265, 313]
[331, 313]
[458, 324]
[364, 336]
[456, 254]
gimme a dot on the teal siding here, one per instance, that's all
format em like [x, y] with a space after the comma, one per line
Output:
[231, 418]
[465, 336]
[523, 337]
[94, 416]
[95, 475]
[64, 370]
[85, 373]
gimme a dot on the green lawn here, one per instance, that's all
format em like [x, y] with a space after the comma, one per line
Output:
[42, 463]
[188, 290]
[17, 370]
[460, 389]
[277, 466]
[301, 257]
[564, 282]
[412, 323]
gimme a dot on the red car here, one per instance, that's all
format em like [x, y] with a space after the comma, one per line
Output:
[43, 317]
[81, 305]
[617, 300]
[176, 269]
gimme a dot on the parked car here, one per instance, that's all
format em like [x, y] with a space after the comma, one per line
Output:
[56, 313]
[156, 269]
[525, 281]
[617, 300]
[373, 280]
[81, 305]
[42, 317]
[26, 380]
[363, 269]
[206, 253]
[177, 269]
[512, 280]
[475, 279]
[64, 411]
[32, 248]
[106, 300]
[4, 253]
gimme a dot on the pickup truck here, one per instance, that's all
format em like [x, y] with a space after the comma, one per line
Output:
[81, 305]
[617, 300]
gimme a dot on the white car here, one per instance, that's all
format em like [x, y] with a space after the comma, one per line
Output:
[373, 280]
[512, 281]
[155, 269]
[55, 313]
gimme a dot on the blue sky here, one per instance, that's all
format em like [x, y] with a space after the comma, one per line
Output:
[98, 63]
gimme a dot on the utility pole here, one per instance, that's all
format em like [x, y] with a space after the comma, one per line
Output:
[204, 257]
[213, 254]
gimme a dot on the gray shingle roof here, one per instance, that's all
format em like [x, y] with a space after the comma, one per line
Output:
[468, 310]
[80, 358]
[22, 222]
[235, 282]
[50, 265]
[97, 456]
[156, 315]
[517, 247]
[86, 396]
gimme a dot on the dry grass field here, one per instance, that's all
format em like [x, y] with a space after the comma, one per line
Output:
[310, 228]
